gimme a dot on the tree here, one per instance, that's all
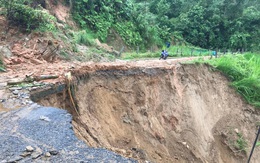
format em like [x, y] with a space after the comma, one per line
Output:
[250, 26]
[194, 27]
[205, 23]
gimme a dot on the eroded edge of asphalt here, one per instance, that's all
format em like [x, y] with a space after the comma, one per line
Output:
[44, 134]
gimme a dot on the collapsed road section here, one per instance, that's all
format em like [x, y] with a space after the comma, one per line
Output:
[175, 113]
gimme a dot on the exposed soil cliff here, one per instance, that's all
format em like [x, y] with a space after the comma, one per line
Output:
[175, 113]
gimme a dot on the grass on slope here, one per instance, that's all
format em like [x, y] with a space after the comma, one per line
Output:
[244, 71]
[1, 65]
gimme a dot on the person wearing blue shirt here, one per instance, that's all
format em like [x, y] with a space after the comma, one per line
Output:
[168, 44]
[164, 55]
[214, 53]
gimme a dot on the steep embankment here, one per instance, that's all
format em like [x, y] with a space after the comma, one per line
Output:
[173, 113]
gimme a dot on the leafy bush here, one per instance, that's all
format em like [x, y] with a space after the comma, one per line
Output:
[241, 143]
[134, 23]
[22, 15]
[85, 38]
[129, 33]
[93, 18]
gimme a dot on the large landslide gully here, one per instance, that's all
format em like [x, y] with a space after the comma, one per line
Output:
[174, 113]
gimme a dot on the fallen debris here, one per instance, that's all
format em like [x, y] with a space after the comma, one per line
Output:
[31, 79]
[29, 149]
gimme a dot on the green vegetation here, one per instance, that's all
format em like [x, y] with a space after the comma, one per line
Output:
[28, 14]
[129, 56]
[244, 72]
[241, 143]
[85, 38]
[101, 16]
[174, 51]
[1, 65]
[129, 33]
[187, 51]
[203, 23]
[144, 24]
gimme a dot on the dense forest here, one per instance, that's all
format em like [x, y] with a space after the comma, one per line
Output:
[210, 24]
[221, 24]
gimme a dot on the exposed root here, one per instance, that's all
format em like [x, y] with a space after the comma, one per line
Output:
[68, 82]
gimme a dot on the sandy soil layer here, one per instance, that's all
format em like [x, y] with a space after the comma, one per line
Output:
[161, 111]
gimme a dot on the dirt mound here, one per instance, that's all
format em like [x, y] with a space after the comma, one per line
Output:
[34, 48]
[179, 113]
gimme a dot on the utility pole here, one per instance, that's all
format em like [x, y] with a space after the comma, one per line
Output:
[252, 150]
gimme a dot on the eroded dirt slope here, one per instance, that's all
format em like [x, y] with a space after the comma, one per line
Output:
[173, 113]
